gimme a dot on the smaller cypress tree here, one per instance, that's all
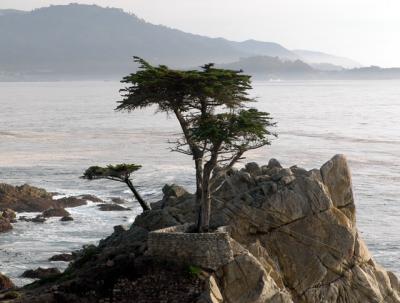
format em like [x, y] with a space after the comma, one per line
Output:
[120, 173]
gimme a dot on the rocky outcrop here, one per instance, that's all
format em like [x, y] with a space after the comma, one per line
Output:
[293, 238]
[300, 226]
[26, 198]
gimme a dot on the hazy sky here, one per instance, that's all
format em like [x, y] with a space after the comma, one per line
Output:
[364, 30]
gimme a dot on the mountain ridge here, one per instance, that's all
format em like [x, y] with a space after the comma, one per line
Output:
[89, 41]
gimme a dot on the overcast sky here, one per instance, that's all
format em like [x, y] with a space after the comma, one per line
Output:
[364, 30]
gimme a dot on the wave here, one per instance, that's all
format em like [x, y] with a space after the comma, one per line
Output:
[335, 137]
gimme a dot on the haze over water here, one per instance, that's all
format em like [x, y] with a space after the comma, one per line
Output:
[51, 132]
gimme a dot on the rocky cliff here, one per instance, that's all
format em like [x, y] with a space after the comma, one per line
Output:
[292, 236]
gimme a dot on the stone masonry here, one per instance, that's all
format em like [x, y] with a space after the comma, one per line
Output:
[206, 250]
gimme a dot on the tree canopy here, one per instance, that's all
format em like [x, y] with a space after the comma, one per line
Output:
[211, 106]
[119, 172]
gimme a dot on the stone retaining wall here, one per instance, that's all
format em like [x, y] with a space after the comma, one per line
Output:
[206, 250]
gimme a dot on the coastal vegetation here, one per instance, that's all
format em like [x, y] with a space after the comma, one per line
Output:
[119, 173]
[210, 105]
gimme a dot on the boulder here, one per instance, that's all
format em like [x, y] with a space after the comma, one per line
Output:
[118, 200]
[66, 219]
[41, 273]
[5, 283]
[156, 219]
[69, 202]
[37, 219]
[173, 190]
[62, 257]
[112, 207]
[5, 225]
[273, 163]
[9, 214]
[55, 212]
[91, 198]
[253, 169]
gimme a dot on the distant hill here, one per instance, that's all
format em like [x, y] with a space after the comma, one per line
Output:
[73, 42]
[272, 68]
[259, 48]
[91, 41]
[324, 60]
[4, 12]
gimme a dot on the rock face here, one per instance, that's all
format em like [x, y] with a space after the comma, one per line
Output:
[299, 227]
[293, 238]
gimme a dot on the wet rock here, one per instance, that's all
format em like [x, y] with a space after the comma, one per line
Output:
[55, 212]
[91, 198]
[112, 207]
[68, 202]
[26, 198]
[118, 200]
[62, 257]
[41, 273]
[5, 283]
[66, 219]
[37, 219]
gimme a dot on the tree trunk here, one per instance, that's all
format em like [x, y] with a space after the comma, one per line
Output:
[205, 210]
[198, 160]
[142, 203]
[199, 180]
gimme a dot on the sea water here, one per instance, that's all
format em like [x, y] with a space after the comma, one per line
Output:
[51, 132]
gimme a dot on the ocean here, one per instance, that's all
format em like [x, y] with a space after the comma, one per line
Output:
[51, 132]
